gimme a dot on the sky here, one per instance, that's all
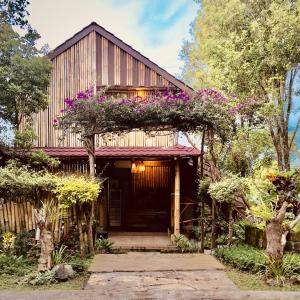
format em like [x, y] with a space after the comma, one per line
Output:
[156, 28]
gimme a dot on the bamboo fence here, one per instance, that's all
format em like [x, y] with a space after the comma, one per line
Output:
[18, 216]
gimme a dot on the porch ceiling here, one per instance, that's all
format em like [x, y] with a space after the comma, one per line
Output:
[175, 151]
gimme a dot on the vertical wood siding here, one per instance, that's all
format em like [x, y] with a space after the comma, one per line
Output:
[95, 61]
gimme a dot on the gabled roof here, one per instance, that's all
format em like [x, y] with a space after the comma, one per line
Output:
[122, 45]
[125, 152]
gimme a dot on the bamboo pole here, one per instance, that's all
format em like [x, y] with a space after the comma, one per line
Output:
[17, 217]
[13, 220]
[25, 215]
[56, 227]
[32, 217]
[29, 214]
[9, 215]
[21, 215]
[5, 217]
[2, 221]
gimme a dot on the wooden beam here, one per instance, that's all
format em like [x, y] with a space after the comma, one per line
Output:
[177, 198]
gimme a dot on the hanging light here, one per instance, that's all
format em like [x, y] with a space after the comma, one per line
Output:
[141, 167]
[137, 167]
[134, 168]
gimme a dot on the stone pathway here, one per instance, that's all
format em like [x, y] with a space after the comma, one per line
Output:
[139, 282]
[153, 261]
[185, 294]
[141, 240]
[154, 276]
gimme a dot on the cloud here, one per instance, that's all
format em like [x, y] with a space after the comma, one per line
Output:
[156, 28]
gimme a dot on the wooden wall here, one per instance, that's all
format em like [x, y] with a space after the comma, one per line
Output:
[95, 61]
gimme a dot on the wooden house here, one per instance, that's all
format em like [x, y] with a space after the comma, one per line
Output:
[150, 179]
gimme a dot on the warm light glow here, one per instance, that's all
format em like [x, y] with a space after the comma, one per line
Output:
[141, 94]
[137, 167]
[141, 167]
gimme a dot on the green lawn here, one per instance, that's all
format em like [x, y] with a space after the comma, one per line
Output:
[249, 281]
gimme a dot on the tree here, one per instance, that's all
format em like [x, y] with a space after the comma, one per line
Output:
[22, 182]
[250, 49]
[14, 12]
[274, 201]
[24, 76]
[228, 190]
[79, 192]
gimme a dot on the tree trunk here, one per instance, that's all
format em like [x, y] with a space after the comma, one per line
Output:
[274, 234]
[89, 142]
[46, 239]
[90, 237]
[230, 224]
[275, 249]
[79, 226]
[213, 224]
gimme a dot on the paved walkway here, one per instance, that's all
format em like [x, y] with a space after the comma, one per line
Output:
[154, 276]
[141, 240]
[153, 261]
[185, 294]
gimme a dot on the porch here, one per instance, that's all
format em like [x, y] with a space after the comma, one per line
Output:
[152, 202]
[146, 189]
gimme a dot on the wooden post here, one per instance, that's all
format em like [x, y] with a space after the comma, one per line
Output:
[213, 224]
[177, 198]
[103, 212]
[202, 198]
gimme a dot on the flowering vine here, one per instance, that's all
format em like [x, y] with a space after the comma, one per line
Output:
[101, 113]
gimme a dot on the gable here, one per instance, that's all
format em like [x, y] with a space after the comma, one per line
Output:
[117, 64]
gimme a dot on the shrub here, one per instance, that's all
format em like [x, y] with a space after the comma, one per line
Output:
[79, 265]
[291, 264]
[14, 265]
[40, 278]
[24, 242]
[59, 255]
[71, 241]
[104, 244]
[243, 257]
[8, 242]
[184, 244]
[39, 159]
[247, 258]
[34, 253]
[76, 190]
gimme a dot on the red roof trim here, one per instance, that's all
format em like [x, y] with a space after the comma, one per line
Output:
[109, 152]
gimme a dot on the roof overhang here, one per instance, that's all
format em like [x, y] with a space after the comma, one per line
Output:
[124, 152]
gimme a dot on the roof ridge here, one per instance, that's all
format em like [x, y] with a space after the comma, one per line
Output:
[94, 26]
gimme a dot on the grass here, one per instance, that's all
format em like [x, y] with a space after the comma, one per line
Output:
[17, 272]
[249, 281]
[11, 282]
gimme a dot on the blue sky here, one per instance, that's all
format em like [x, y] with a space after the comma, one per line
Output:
[156, 28]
